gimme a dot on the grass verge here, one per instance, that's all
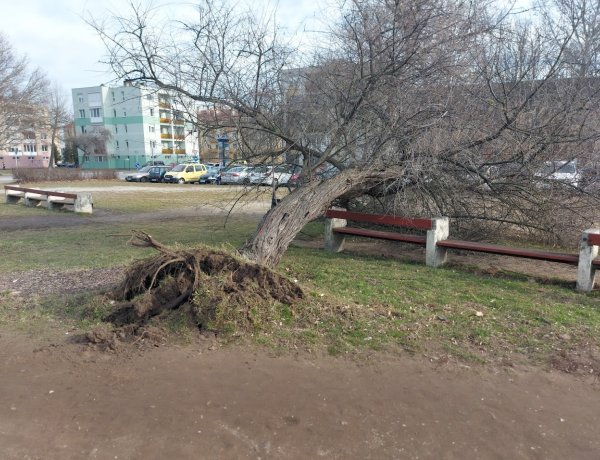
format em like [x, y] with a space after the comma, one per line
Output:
[355, 304]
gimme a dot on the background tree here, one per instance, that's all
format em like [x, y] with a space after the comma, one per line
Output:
[58, 116]
[22, 94]
[425, 107]
[90, 143]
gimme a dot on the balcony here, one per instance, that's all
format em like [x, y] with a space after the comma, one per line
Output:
[166, 136]
[178, 122]
[180, 137]
[165, 120]
[164, 105]
[180, 151]
[167, 151]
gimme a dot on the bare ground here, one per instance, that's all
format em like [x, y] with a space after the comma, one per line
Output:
[61, 399]
[69, 401]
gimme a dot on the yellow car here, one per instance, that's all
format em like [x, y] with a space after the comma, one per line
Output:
[186, 173]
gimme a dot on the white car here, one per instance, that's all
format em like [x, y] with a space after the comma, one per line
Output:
[561, 171]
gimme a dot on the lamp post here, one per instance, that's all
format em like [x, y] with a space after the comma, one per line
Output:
[223, 141]
[17, 155]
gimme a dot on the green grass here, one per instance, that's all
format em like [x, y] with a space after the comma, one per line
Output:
[354, 303]
[98, 246]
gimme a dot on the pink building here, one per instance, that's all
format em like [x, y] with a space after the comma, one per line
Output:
[29, 149]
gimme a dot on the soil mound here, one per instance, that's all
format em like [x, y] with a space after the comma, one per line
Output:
[216, 290]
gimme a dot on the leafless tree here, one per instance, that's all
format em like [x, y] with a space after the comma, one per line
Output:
[22, 93]
[92, 142]
[58, 116]
[444, 106]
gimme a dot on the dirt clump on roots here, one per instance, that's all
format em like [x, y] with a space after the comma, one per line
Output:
[214, 290]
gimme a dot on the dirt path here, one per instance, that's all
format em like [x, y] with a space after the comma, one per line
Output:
[71, 402]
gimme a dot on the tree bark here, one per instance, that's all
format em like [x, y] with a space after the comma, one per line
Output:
[284, 221]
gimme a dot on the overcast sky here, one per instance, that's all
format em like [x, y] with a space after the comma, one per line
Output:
[54, 36]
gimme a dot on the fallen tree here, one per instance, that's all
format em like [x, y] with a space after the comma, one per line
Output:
[432, 107]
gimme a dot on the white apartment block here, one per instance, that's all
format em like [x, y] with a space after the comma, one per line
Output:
[144, 125]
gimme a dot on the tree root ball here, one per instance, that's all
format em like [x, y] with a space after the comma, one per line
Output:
[219, 290]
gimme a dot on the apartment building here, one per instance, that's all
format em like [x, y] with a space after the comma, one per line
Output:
[137, 125]
[27, 148]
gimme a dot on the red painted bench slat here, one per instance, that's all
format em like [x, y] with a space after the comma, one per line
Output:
[572, 259]
[41, 192]
[594, 239]
[424, 224]
[393, 236]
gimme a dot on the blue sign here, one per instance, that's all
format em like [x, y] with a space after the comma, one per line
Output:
[137, 166]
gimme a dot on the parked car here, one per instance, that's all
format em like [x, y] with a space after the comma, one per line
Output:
[561, 171]
[235, 175]
[157, 173]
[141, 175]
[258, 174]
[186, 173]
[282, 173]
[155, 163]
[212, 175]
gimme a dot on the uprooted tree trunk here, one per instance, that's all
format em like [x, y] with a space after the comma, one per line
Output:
[283, 222]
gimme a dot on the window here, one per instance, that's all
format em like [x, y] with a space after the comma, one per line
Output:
[116, 129]
[153, 144]
[125, 128]
[95, 113]
[127, 144]
[80, 97]
[117, 144]
[124, 113]
[81, 113]
[151, 128]
[115, 113]
[29, 148]
[31, 158]
[151, 112]
[82, 129]
[123, 95]
[44, 136]
[112, 93]
[150, 97]
[100, 159]
[44, 148]
[95, 99]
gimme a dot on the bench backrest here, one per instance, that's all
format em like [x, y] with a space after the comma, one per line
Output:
[409, 222]
[593, 239]
[41, 192]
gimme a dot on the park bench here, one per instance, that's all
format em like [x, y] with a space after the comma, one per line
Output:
[437, 243]
[77, 202]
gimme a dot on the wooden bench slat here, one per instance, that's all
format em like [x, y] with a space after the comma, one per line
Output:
[424, 224]
[594, 239]
[392, 236]
[41, 192]
[505, 250]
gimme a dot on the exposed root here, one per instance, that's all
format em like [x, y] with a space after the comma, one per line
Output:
[220, 288]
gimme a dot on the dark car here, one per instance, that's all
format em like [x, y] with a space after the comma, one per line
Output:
[155, 163]
[157, 173]
[212, 176]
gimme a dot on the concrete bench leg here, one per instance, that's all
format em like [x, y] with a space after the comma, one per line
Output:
[585, 270]
[12, 199]
[84, 203]
[334, 242]
[434, 255]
